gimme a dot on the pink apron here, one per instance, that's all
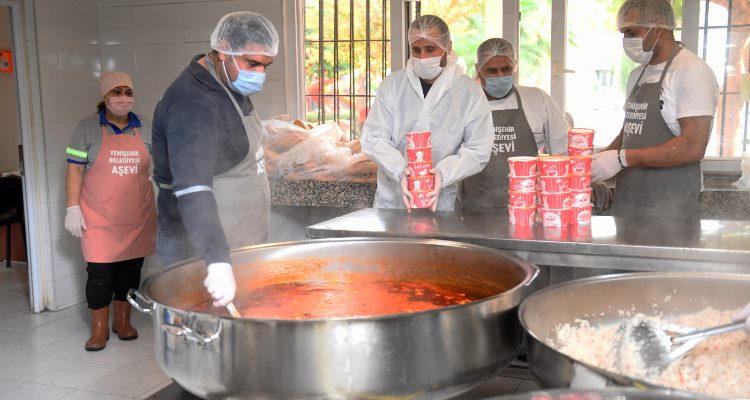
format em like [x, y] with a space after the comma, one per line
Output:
[117, 201]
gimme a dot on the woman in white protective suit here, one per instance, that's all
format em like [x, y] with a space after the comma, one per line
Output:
[430, 94]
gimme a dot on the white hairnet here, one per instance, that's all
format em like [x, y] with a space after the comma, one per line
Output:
[431, 28]
[495, 47]
[245, 32]
[651, 13]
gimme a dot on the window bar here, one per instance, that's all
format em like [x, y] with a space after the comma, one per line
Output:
[747, 112]
[352, 75]
[367, 51]
[384, 51]
[705, 28]
[724, 85]
[336, 41]
[321, 75]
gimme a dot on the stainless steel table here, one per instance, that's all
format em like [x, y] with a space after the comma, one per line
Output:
[638, 245]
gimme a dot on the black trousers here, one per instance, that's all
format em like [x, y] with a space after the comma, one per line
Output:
[111, 280]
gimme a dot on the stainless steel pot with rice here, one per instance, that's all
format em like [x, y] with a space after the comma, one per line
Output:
[573, 334]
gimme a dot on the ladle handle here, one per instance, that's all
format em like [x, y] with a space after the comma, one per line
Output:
[233, 311]
[717, 330]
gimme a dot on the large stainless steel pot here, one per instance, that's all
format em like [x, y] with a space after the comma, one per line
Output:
[599, 299]
[432, 354]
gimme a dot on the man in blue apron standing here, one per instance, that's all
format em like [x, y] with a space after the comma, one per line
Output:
[525, 121]
[669, 113]
[208, 159]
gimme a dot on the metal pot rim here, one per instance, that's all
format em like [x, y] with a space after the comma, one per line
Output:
[621, 379]
[532, 272]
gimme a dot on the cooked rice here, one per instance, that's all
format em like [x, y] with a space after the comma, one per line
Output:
[718, 366]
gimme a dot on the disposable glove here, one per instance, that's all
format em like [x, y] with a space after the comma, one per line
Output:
[744, 314]
[602, 195]
[74, 222]
[435, 193]
[605, 165]
[220, 283]
[405, 188]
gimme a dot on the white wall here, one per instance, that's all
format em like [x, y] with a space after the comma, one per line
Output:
[152, 41]
[9, 127]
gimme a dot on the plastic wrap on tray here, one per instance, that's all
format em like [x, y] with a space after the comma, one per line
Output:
[296, 153]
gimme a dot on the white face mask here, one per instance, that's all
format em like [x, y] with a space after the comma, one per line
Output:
[427, 68]
[634, 48]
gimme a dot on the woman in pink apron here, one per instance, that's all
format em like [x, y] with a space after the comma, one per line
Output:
[111, 205]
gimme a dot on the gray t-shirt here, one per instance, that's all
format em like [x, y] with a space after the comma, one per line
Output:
[87, 139]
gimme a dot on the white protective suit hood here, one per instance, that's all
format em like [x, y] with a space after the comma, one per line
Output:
[457, 113]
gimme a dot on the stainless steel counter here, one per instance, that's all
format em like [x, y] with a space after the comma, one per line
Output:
[651, 245]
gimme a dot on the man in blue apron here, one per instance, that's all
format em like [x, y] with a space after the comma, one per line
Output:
[208, 159]
[669, 111]
[525, 121]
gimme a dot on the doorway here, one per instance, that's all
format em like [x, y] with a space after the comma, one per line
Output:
[16, 128]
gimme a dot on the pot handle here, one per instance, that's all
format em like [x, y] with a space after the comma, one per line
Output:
[533, 275]
[190, 334]
[134, 296]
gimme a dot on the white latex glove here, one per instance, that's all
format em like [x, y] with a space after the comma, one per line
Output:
[220, 283]
[74, 222]
[405, 188]
[435, 193]
[605, 165]
[744, 314]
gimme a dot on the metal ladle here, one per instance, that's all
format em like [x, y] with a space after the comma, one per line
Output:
[659, 344]
[233, 310]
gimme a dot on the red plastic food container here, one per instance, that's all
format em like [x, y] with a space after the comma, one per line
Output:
[580, 215]
[580, 137]
[580, 182]
[419, 154]
[522, 183]
[580, 198]
[520, 231]
[580, 151]
[554, 166]
[556, 200]
[420, 168]
[420, 199]
[555, 218]
[554, 184]
[418, 139]
[522, 199]
[522, 215]
[523, 166]
[421, 183]
[580, 233]
[580, 164]
[560, 233]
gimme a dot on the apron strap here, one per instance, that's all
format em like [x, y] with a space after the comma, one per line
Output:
[675, 50]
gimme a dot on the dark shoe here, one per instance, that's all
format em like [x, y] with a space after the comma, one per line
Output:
[121, 325]
[99, 330]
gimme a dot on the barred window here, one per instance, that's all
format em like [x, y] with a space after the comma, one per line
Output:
[347, 55]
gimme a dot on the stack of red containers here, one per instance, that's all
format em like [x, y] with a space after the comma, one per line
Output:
[419, 158]
[580, 148]
[554, 182]
[522, 190]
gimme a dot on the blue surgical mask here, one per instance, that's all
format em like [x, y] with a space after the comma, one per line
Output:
[498, 86]
[247, 82]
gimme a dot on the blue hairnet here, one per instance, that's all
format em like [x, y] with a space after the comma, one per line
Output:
[245, 32]
[651, 13]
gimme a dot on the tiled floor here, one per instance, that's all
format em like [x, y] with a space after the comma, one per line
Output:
[42, 355]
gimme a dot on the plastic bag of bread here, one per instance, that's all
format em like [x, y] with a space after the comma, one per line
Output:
[296, 150]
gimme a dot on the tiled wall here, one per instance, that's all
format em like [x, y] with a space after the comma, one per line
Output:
[148, 39]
